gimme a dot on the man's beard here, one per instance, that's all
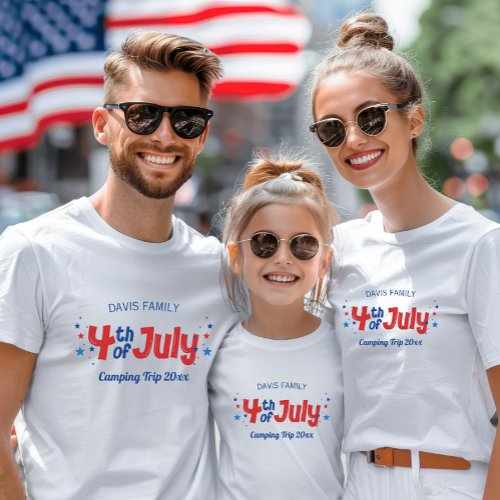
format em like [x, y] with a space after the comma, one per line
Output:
[159, 187]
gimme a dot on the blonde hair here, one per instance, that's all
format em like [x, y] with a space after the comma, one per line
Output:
[161, 52]
[264, 185]
[366, 47]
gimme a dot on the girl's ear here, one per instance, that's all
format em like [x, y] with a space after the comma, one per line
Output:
[234, 257]
[326, 261]
[417, 120]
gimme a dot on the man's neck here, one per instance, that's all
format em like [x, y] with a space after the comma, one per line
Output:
[133, 214]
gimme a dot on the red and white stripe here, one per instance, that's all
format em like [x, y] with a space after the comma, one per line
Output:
[260, 44]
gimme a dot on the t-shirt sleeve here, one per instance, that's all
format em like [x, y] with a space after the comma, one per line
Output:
[483, 297]
[20, 293]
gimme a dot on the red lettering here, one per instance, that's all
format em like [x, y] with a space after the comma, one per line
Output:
[252, 410]
[362, 317]
[104, 342]
[148, 331]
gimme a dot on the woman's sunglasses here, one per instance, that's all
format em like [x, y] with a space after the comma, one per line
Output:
[265, 244]
[144, 118]
[371, 120]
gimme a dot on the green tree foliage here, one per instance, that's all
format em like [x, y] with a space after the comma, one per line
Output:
[459, 53]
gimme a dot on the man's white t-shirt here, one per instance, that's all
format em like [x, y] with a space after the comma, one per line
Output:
[278, 405]
[417, 314]
[125, 332]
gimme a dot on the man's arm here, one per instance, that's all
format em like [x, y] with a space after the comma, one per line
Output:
[493, 481]
[16, 367]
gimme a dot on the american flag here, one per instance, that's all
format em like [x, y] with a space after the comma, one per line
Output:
[52, 53]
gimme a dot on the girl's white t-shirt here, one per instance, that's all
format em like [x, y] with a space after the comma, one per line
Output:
[278, 405]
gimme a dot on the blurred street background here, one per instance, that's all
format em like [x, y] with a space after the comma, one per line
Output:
[51, 57]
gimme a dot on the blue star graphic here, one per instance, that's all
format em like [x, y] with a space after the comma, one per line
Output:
[326, 417]
[237, 417]
[346, 324]
[79, 351]
[92, 349]
[437, 307]
[344, 306]
[207, 351]
[77, 326]
[435, 324]
[210, 326]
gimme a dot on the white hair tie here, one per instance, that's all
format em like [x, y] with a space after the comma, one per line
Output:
[290, 176]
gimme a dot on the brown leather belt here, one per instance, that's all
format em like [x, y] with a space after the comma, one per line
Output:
[392, 457]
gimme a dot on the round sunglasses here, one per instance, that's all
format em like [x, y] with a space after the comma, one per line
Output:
[371, 120]
[265, 244]
[143, 118]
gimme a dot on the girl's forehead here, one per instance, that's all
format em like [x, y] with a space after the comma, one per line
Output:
[283, 218]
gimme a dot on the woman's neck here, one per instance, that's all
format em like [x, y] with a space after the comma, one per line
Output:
[409, 202]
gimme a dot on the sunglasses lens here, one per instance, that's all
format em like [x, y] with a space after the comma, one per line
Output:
[264, 245]
[372, 120]
[304, 246]
[331, 132]
[189, 123]
[143, 118]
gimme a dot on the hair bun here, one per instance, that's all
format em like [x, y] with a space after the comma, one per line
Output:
[365, 30]
[267, 166]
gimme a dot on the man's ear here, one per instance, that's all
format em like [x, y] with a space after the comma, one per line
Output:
[233, 251]
[417, 120]
[100, 118]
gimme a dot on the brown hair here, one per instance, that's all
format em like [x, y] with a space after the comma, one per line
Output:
[161, 52]
[365, 46]
[265, 184]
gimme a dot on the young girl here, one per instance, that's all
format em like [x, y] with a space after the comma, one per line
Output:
[276, 386]
[415, 294]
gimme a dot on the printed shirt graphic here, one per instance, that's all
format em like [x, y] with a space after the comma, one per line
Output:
[126, 332]
[279, 407]
[414, 347]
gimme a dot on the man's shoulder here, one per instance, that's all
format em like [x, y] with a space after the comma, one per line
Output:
[196, 243]
[49, 221]
[43, 229]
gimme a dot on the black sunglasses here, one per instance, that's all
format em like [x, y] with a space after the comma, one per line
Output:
[371, 120]
[144, 118]
[265, 244]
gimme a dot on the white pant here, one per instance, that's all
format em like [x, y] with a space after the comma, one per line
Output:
[368, 482]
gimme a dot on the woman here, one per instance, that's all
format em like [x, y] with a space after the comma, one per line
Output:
[415, 291]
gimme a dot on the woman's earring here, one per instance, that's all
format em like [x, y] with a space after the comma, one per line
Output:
[316, 298]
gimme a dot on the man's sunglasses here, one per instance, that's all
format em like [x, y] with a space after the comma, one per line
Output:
[265, 244]
[144, 118]
[371, 120]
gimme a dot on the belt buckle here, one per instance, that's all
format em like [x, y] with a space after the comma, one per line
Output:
[370, 458]
[381, 457]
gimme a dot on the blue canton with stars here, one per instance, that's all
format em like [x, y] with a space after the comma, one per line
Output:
[32, 30]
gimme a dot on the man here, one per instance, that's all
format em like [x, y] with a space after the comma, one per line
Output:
[110, 307]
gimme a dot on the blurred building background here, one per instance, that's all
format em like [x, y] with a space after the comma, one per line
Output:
[455, 42]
